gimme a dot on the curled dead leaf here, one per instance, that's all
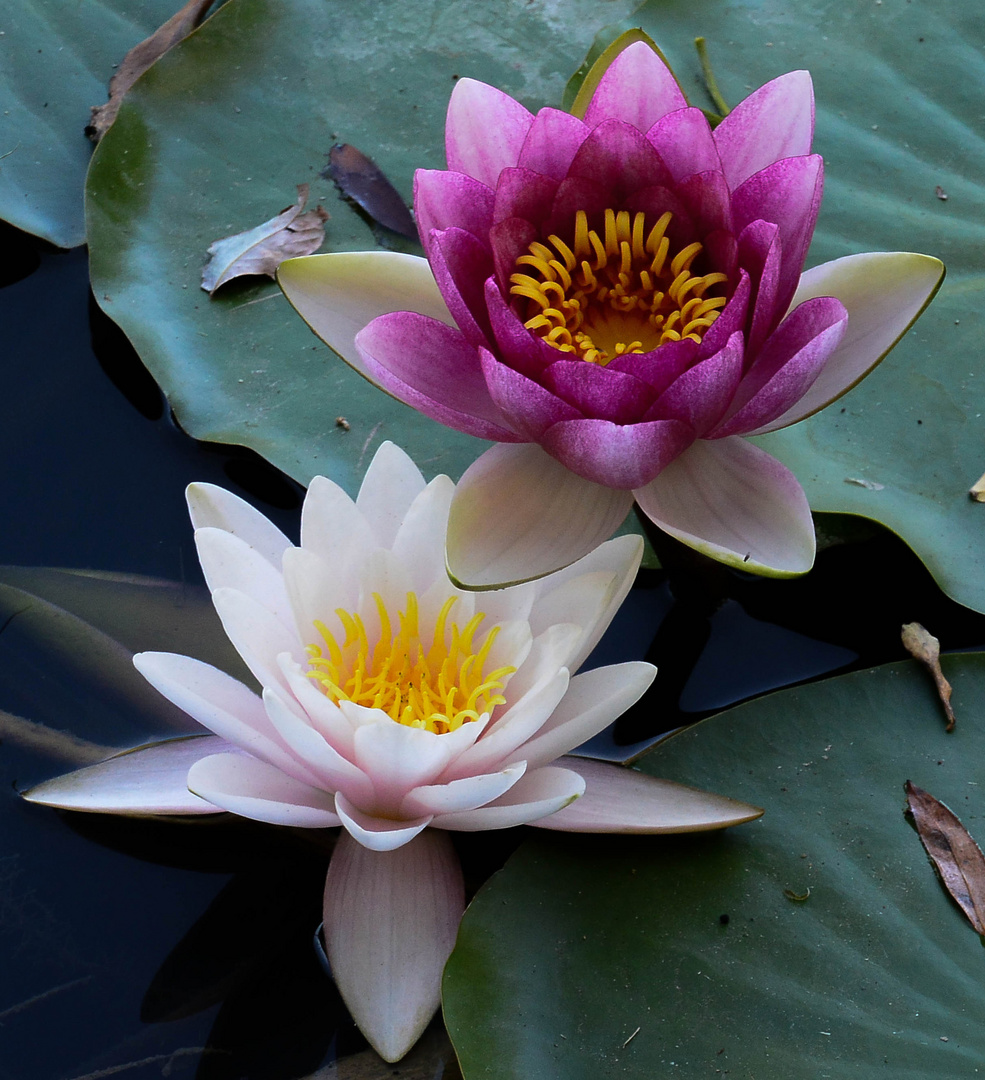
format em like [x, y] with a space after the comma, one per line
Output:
[977, 490]
[923, 646]
[262, 249]
[956, 857]
[140, 58]
[360, 179]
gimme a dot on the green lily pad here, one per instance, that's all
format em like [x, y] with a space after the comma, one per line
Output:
[57, 57]
[815, 942]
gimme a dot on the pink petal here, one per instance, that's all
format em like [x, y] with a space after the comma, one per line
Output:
[432, 368]
[701, 395]
[637, 88]
[529, 407]
[485, 131]
[537, 794]
[214, 507]
[510, 238]
[776, 121]
[148, 780]
[552, 142]
[524, 194]
[707, 198]
[443, 200]
[761, 256]
[597, 392]
[685, 143]
[621, 800]
[390, 925]
[518, 514]
[253, 789]
[461, 264]
[519, 348]
[617, 456]
[660, 367]
[619, 158]
[734, 502]
[732, 318]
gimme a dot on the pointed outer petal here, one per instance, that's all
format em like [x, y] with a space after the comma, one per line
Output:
[389, 488]
[338, 294]
[701, 396]
[621, 559]
[420, 542]
[732, 501]
[325, 716]
[709, 202]
[520, 349]
[788, 365]
[445, 199]
[214, 507]
[732, 319]
[621, 800]
[217, 701]
[147, 780]
[617, 456]
[461, 264]
[397, 758]
[464, 794]
[659, 367]
[684, 141]
[485, 130]
[788, 193]
[518, 514]
[618, 157]
[594, 699]
[257, 635]
[761, 254]
[510, 238]
[531, 408]
[253, 789]
[884, 292]
[638, 88]
[597, 392]
[538, 793]
[523, 193]
[378, 833]
[390, 925]
[776, 121]
[552, 142]
[432, 368]
[323, 761]
[229, 562]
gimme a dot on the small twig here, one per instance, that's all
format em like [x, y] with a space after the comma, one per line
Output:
[710, 82]
[630, 1039]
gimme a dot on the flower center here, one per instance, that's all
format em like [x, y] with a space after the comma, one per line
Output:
[438, 686]
[602, 297]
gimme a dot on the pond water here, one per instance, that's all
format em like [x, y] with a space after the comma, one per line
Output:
[133, 948]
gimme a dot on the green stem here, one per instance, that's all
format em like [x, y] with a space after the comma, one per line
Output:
[710, 83]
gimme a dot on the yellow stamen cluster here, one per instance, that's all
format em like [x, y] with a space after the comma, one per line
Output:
[603, 296]
[438, 687]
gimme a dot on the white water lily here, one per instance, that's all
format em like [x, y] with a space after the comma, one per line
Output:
[392, 701]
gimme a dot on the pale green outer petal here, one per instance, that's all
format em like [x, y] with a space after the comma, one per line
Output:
[620, 800]
[338, 294]
[390, 923]
[214, 507]
[737, 504]
[884, 292]
[518, 514]
[150, 779]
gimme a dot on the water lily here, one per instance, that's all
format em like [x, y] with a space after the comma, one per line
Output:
[392, 701]
[616, 299]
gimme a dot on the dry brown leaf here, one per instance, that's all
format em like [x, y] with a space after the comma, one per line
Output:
[977, 490]
[958, 859]
[262, 249]
[923, 646]
[140, 58]
[360, 179]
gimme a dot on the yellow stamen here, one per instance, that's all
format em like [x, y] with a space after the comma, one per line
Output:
[601, 296]
[438, 686]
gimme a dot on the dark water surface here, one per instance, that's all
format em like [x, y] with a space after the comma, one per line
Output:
[147, 949]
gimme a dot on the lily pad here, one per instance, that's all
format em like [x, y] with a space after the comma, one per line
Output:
[57, 57]
[819, 934]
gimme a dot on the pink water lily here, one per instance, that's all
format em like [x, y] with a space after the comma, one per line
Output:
[616, 299]
[392, 701]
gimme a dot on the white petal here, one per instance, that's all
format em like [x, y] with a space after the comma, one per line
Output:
[257, 635]
[325, 716]
[315, 589]
[229, 562]
[334, 528]
[390, 925]
[253, 789]
[546, 655]
[378, 833]
[391, 484]
[464, 794]
[518, 514]
[538, 793]
[420, 541]
[594, 699]
[214, 507]
[148, 780]
[732, 501]
[884, 292]
[397, 757]
[622, 800]
[338, 294]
